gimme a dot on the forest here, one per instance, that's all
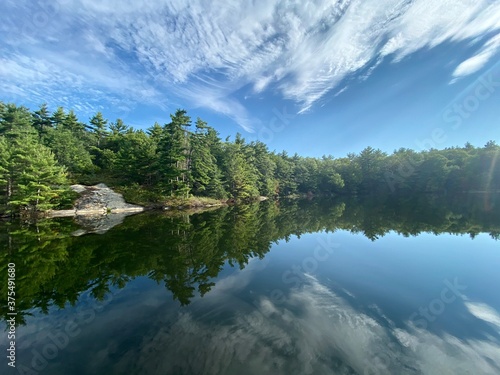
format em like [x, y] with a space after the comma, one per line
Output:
[43, 152]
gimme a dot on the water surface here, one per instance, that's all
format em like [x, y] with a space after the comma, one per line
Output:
[360, 286]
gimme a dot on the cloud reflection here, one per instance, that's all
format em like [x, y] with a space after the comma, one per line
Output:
[314, 331]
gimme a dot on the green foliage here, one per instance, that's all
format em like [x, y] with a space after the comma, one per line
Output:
[58, 117]
[69, 150]
[266, 168]
[174, 161]
[32, 178]
[205, 176]
[173, 154]
[136, 194]
[42, 120]
[136, 158]
[99, 127]
[240, 171]
[5, 183]
[118, 127]
[72, 124]
[15, 119]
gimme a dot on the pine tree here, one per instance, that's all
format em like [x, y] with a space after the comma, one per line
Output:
[205, 174]
[58, 117]
[4, 173]
[118, 127]
[240, 174]
[98, 125]
[174, 154]
[34, 177]
[72, 123]
[42, 120]
[69, 150]
[265, 168]
[136, 158]
[155, 132]
[15, 118]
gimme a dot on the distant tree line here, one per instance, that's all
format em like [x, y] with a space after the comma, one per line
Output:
[41, 153]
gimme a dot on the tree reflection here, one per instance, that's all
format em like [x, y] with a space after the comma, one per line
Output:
[186, 252]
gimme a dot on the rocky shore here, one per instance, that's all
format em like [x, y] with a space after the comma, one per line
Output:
[96, 200]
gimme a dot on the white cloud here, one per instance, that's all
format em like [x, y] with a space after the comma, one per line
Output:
[479, 60]
[261, 83]
[205, 52]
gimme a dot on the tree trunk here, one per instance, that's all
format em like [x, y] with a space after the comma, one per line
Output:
[9, 189]
[37, 198]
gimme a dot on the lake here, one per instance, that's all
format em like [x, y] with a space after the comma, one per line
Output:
[374, 285]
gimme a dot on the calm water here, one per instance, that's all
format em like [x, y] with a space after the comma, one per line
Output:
[379, 286]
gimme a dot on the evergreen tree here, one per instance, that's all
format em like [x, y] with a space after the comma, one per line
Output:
[155, 132]
[72, 124]
[205, 174]
[329, 180]
[118, 127]
[285, 177]
[265, 168]
[15, 119]
[58, 117]
[4, 173]
[69, 150]
[174, 160]
[136, 158]
[103, 157]
[98, 125]
[34, 177]
[42, 119]
[240, 174]
[371, 164]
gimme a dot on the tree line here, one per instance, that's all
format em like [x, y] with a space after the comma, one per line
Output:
[42, 152]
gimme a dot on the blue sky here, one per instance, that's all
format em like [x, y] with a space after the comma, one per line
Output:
[312, 77]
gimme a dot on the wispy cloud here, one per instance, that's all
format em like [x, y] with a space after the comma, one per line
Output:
[479, 60]
[205, 52]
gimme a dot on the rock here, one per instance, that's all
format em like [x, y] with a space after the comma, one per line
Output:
[98, 224]
[78, 188]
[100, 198]
[79, 232]
[98, 209]
[62, 213]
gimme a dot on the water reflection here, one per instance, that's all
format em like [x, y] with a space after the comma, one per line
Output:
[187, 252]
[157, 294]
[313, 331]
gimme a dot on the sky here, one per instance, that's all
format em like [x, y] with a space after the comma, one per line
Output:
[309, 77]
